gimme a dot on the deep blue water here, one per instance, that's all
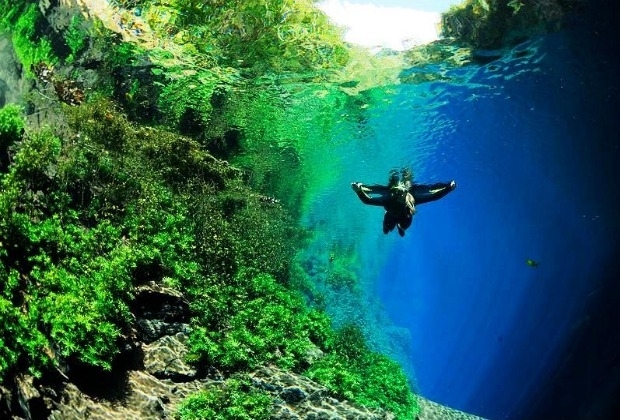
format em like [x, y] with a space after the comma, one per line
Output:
[535, 156]
[533, 144]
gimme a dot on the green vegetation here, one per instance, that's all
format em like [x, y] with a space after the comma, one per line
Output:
[353, 372]
[11, 129]
[99, 202]
[22, 19]
[341, 272]
[62, 280]
[490, 23]
[278, 35]
[234, 399]
[83, 214]
[267, 324]
[11, 125]
[75, 37]
[35, 42]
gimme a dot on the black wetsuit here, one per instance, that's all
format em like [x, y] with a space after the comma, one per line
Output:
[395, 213]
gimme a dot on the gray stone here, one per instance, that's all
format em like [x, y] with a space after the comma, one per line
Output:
[13, 85]
[29, 398]
[293, 395]
[430, 410]
[147, 398]
[6, 399]
[150, 330]
[305, 399]
[154, 301]
[164, 358]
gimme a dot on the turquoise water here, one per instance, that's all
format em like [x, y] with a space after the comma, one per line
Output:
[532, 142]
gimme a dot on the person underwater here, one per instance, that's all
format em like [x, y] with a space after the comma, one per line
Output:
[400, 197]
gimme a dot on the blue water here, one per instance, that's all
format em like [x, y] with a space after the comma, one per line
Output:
[533, 144]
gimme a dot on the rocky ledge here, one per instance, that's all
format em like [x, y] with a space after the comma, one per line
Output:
[156, 378]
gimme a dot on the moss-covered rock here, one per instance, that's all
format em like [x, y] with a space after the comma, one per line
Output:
[492, 24]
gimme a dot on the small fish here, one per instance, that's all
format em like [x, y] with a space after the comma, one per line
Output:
[531, 263]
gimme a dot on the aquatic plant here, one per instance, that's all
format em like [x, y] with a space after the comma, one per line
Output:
[262, 322]
[11, 124]
[11, 130]
[97, 204]
[22, 19]
[81, 214]
[75, 37]
[341, 269]
[187, 101]
[234, 399]
[67, 279]
[354, 372]
[281, 35]
[288, 127]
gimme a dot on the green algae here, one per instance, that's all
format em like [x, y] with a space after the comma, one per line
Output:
[22, 19]
[76, 37]
[279, 35]
[11, 129]
[235, 399]
[353, 372]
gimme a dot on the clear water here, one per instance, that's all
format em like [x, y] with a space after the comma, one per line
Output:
[532, 142]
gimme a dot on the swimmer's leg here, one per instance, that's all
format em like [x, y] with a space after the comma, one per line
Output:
[389, 223]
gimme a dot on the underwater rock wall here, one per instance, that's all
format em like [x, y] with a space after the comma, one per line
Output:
[154, 378]
[13, 85]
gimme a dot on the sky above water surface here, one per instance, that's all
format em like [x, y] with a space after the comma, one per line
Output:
[395, 24]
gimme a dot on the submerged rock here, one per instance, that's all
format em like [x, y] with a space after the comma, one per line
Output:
[29, 398]
[154, 301]
[164, 359]
[5, 402]
[146, 397]
[430, 410]
[150, 330]
[12, 83]
[297, 397]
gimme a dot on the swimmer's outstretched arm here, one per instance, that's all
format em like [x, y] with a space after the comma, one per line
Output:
[364, 191]
[376, 189]
[427, 193]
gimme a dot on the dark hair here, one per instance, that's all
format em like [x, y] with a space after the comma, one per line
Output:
[394, 178]
[405, 176]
